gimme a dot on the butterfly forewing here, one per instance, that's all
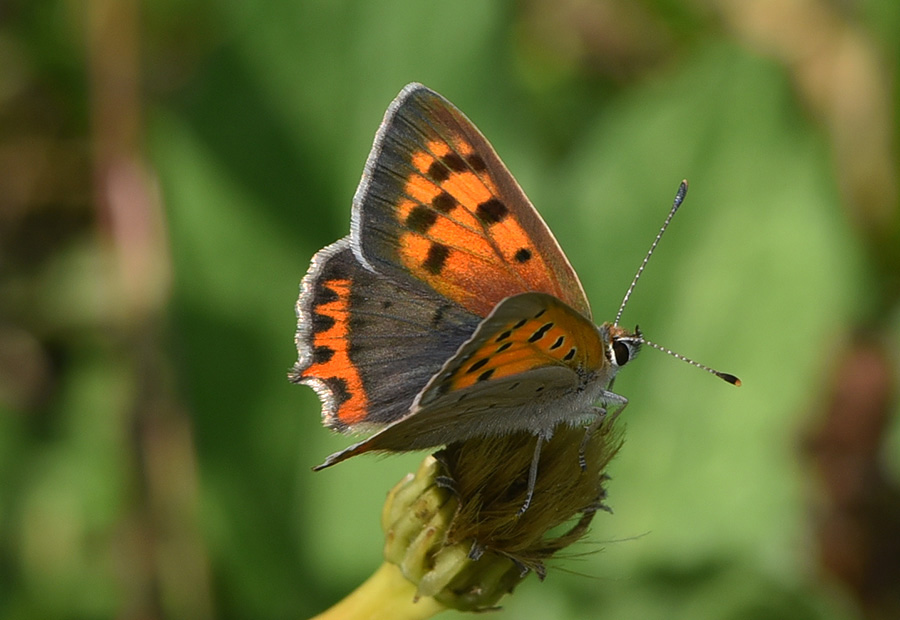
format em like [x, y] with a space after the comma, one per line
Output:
[437, 203]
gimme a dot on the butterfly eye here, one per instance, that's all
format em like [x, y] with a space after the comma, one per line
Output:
[622, 352]
[625, 350]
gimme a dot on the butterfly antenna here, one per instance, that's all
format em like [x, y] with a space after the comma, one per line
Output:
[721, 375]
[679, 198]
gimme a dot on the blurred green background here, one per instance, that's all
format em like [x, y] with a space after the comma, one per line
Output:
[167, 169]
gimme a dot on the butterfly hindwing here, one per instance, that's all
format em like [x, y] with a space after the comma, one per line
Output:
[437, 204]
[533, 363]
[369, 345]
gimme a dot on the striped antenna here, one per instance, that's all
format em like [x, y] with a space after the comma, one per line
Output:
[679, 198]
[721, 375]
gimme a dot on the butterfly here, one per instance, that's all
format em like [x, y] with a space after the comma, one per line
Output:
[450, 311]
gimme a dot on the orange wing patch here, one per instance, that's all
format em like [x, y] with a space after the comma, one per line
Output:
[436, 204]
[458, 236]
[330, 356]
[554, 334]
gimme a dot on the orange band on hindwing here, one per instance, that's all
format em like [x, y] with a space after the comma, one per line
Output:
[330, 352]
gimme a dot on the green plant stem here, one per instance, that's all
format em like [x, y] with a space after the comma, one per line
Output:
[387, 594]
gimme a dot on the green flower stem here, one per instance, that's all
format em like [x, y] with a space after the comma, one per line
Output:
[386, 595]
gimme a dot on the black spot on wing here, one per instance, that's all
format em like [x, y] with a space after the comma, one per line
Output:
[321, 323]
[420, 219]
[522, 255]
[478, 365]
[486, 375]
[322, 355]
[491, 211]
[454, 162]
[325, 295]
[476, 162]
[444, 202]
[437, 256]
[540, 332]
[338, 388]
[438, 172]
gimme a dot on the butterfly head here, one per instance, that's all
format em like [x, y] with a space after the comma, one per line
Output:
[622, 346]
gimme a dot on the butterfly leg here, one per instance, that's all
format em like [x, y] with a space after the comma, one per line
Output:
[599, 416]
[618, 403]
[445, 481]
[532, 472]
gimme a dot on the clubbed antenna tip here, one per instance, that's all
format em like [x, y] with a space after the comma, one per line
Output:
[724, 376]
[729, 378]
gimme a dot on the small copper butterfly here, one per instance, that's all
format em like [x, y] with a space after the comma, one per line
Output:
[450, 311]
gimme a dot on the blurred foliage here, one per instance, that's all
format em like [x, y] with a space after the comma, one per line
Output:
[168, 169]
